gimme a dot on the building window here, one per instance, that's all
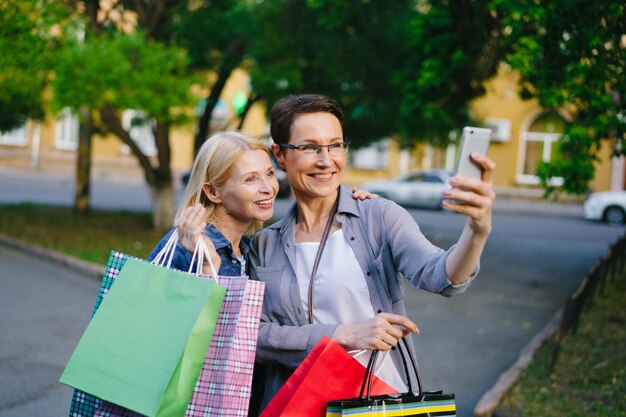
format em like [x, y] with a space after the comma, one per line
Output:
[540, 144]
[141, 130]
[375, 156]
[67, 131]
[15, 137]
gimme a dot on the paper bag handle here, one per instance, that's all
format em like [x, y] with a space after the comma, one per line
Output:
[166, 254]
[369, 371]
[200, 253]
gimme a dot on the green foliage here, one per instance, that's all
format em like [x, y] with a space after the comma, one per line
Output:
[402, 68]
[124, 71]
[571, 55]
[27, 45]
[452, 50]
[213, 32]
[348, 50]
[574, 163]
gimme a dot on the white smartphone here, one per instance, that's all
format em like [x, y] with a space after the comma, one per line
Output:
[473, 140]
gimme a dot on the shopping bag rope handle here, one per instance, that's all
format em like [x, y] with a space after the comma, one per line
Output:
[369, 374]
[200, 253]
[356, 353]
[166, 254]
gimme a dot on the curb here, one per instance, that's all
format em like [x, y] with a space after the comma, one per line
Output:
[493, 397]
[90, 269]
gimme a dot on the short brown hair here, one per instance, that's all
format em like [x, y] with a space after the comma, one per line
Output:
[286, 109]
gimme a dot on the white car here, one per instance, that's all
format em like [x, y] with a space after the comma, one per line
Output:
[418, 189]
[608, 206]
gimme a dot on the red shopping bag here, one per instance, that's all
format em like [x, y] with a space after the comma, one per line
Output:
[327, 373]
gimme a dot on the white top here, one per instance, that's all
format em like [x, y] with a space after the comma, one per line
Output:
[340, 293]
[242, 262]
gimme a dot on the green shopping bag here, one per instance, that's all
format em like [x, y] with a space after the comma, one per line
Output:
[145, 346]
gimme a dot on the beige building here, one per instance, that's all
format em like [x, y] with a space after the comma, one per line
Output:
[524, 135]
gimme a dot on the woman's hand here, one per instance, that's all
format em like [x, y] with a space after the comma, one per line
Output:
[190, 228]
[381, 332]
[359, 194]
[477, 195]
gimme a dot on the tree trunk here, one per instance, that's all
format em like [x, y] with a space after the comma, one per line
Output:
[85, 133]
[159, 178]
[252, 98]
[83, 163]
[205, 119]
[163, 209]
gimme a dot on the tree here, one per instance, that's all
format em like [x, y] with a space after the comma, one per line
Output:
[27, 46]
[351, 51]
[215, 34]
[453, 48]
[209, 29]
[571, 54]
[137, 73]
[405, 69]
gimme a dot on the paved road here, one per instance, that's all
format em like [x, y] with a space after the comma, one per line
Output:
[531, 264]
[536, 256]
[44, 309]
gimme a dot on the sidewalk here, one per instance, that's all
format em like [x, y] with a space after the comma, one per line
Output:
[514, 205]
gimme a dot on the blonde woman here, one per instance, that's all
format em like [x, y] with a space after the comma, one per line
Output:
[230, 193]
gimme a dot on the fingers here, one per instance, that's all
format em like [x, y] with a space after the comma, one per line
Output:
[487, 166]
[473, 192]
[359, 194]
[191, 226]
[381, 332]
[404, 323]
[390, 329]
[473, 198]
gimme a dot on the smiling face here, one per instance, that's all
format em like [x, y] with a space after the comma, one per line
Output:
[317, 175]
[250, 190]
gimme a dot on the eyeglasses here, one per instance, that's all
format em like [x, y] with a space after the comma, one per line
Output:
[334, 149]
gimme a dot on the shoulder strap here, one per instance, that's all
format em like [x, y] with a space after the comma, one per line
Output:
[318, 256]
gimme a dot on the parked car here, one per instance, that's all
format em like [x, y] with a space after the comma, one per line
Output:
[608, 206]
[418, 189]
[284, 188]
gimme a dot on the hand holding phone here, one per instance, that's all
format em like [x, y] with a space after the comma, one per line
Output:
[473, 140]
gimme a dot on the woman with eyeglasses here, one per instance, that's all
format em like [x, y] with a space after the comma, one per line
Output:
[331, 264]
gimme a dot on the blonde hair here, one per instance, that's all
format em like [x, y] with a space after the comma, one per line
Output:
[212, 165]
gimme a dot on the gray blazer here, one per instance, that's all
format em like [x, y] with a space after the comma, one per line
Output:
[387, 243]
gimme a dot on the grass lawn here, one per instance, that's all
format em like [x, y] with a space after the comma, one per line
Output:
[590, 375]
[89, 237]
